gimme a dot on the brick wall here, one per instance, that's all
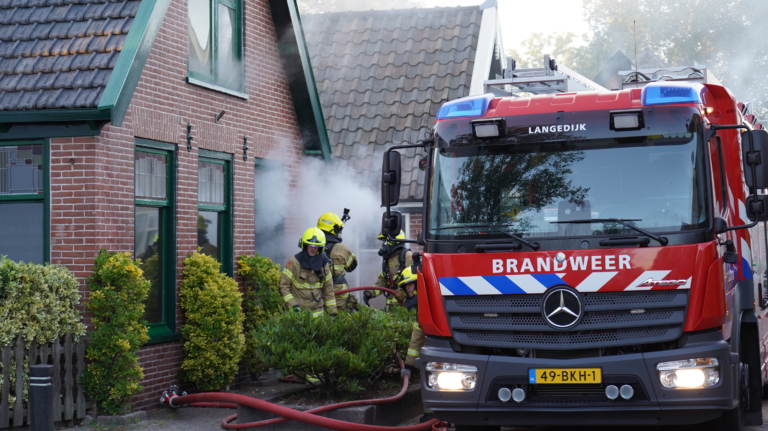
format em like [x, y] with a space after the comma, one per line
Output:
[92, 199]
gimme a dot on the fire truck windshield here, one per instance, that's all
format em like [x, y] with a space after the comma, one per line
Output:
[533, 190]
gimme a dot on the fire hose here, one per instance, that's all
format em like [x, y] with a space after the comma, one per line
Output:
[232, 401]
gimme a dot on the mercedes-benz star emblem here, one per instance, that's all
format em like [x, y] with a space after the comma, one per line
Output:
[562, 308]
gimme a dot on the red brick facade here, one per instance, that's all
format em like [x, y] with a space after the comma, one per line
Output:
[92, 185]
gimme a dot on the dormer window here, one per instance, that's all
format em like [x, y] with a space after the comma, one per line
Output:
[215, 54]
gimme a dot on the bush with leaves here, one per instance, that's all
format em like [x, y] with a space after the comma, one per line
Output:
[213, 332]
[118, 293]
[338, 351]
[38, 303]
[262, 301]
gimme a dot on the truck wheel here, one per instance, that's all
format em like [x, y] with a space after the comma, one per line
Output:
[476, 428]
[730, 421]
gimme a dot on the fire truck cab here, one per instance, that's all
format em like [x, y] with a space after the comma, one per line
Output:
[593, 258]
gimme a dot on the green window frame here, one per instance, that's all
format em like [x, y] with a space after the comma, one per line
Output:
[224, 222]
[162, 328]
[215, 45]
[17, 201]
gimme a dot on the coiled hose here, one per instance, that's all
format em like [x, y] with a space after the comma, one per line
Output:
[231, 401]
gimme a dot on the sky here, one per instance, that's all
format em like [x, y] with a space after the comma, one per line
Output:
[520, 18]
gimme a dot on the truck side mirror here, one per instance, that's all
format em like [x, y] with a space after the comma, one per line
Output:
[757, 208]
[392, 225]
[390, 180]
[757, 158]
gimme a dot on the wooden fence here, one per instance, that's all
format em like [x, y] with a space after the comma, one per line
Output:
[68, 360]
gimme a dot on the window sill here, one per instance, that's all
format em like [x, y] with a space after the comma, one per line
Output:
[163, 338]
[215, 87]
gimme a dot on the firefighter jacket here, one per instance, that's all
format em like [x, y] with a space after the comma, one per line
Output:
[417, 342]
[390, 269]
[302, 287]
[343, 261]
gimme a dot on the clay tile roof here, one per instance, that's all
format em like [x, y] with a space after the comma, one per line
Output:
[58, 54]
[382, 75]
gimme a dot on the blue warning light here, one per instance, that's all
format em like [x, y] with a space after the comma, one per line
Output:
[466, 107]
[661, 93]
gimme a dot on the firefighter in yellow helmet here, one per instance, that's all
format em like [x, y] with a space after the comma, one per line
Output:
[306, 283]
[342, 259]
[407, 282]
[395, 258]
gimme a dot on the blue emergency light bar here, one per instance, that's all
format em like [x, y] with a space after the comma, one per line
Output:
[466, 107]
[667, 93]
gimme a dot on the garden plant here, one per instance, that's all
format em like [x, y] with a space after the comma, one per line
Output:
[340, 352]
[118, 293]
[213, 332]
[262, 301]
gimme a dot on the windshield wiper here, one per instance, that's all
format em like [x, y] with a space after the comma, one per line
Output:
[534, 245]
[625, 222]
[521, 240]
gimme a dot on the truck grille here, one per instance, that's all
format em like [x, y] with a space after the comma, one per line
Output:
[610, 319]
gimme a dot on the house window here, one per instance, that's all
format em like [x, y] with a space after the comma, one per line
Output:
[154, 233]
[214, 216]
[23, 202]
[270, 198]
[216, 43]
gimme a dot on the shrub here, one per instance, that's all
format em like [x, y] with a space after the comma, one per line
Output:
[262, 301]
[338, 351]
[38, 303]
[118, 293]
[213, 332]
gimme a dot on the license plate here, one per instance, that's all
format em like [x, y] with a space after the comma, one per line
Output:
[564, 375]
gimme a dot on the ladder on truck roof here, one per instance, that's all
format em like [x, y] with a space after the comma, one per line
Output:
[552, 78]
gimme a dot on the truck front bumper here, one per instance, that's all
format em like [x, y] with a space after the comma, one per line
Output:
[652, 403]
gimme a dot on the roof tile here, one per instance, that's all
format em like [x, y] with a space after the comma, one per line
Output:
[382, 76]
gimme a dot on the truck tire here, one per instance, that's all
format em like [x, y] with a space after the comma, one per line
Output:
[729, 421]
[458, 427]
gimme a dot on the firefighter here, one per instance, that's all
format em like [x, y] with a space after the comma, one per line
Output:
[407, 282]
[306, 283]
[395, 258]
[342, 260]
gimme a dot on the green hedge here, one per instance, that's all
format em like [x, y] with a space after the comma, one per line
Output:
[118, 293]
[213, 332]
[340, 352]
[38, 303]
[262, 301]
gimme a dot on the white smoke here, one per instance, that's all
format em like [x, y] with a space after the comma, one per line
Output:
[319, 188]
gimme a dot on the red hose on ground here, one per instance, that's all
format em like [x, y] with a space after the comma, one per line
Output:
[226, 425]
[215, 405]
[286, 412]
[225, 400]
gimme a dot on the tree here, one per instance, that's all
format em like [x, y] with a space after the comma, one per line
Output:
[561, 46]
[729, 37]
[323, 6]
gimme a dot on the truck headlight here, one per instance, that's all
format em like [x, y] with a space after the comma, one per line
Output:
[445, 376]
[689, 373]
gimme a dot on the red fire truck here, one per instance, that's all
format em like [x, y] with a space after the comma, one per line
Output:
[593, 258]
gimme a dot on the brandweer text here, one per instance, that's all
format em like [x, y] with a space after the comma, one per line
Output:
[574, 263]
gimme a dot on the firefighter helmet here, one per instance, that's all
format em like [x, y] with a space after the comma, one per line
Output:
[406, 276]
[382, 237]
[312, 236]
[331, 223]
